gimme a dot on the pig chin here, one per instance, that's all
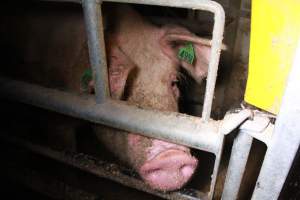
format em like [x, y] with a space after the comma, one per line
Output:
[169, 170]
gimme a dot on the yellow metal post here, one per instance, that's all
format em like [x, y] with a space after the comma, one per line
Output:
[275, 31]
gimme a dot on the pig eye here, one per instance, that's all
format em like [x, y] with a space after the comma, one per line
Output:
[174, 87]
[174, 44]
[175, 83]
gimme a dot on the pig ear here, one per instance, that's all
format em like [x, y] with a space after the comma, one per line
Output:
[176, 37]
[119, 66]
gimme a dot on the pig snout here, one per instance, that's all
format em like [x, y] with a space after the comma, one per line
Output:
[170, 170]
[167, 166]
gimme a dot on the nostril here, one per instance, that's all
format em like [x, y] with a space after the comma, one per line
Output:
[152, 171]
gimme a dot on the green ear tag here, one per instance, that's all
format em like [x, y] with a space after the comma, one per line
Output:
[187, 53]
[86, 77]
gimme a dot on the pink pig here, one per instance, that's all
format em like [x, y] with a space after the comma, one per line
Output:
[143, 68]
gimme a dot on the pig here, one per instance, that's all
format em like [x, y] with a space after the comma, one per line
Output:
[143, 70]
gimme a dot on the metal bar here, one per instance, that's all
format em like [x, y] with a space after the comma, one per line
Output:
[94, 28]
[259, 127]
[285, 141]
[218, 30]
[216, 168]
[208, 5]
[234, 119]
[174, 127]
[237, 163]
[63, 1]
[99, 168]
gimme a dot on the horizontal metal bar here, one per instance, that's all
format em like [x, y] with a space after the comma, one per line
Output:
[63, 1]
[174, 127]
[208, 5]
[100, 169]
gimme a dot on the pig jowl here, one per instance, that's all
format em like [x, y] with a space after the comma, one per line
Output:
[143, 70]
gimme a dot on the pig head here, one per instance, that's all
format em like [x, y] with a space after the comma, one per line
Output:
[143, 70]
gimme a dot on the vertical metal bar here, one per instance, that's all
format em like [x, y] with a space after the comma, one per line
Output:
[285, 141]
[94, 28]
[219, 17]
[216, 167]
[237, 163]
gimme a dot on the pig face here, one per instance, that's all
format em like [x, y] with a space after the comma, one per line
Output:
[143, 70]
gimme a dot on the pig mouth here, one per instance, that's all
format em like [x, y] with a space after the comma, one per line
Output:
[169, 170]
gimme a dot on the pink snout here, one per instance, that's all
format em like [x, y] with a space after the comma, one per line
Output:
[169, 170]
